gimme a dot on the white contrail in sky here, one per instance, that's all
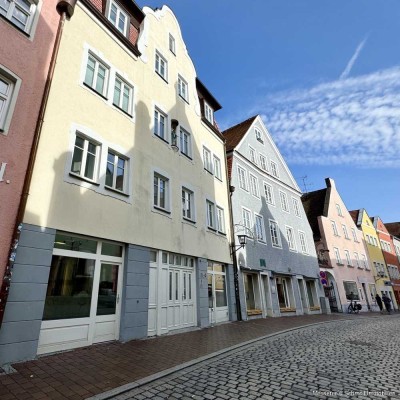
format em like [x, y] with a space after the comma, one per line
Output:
[353, 59]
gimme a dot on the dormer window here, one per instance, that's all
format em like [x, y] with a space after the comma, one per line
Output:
[118, 18]
[258, 136]
[208, 113]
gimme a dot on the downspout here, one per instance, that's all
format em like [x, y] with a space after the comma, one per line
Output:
[66, 9]
[231, 189]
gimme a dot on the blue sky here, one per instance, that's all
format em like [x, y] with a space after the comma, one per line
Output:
[325, 76]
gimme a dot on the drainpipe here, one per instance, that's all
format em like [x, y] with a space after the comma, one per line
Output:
[66, 9]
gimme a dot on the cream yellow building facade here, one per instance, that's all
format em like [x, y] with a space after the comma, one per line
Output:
[127, 221]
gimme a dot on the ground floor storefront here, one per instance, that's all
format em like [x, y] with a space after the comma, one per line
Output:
[274, 294]
[70, 291]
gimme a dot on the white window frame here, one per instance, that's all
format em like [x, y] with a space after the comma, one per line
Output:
[117, 157]
[87, 140]
[119, 11]
[207, 160]
[353, 231]
[188, 204]
[348, 258]
[242, 176]
[259, 228]
[167, 184]
[183, 89]
[217, 167]
[365, 261]
[124, 85]
[276, 240]
[284, 201]
[303, 242]
[346, 234]
[160, 63]
[208, 113]
[269, 194]
[334, 228]
[252, 155]
[337, 255]
[10, 98]
[274, 169]
[290, 238]
[339, 210]
[31, 14]
[296, 207]
[211, 215]
[220, 220]
[258, 135]
[357, 258]
[182, 134]
[254, 185]
[98, 62]
[172, 44]
[246, 215]
[157, 125]
[263, 162]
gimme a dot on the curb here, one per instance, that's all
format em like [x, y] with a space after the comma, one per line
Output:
[134, 385]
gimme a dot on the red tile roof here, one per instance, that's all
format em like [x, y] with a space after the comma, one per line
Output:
[235, 134]
[393, 228]
[354, 215]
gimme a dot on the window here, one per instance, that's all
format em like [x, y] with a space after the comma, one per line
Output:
[183, 89]
[161, 189]
[160, 120]
[172, 45]
[220, 220]
[259, 225]
[207, 160]
[19, 12]
[275, 234]
[347, 254]
[185, 143]
[161, 66]
[85, 158]
[269, 196]
[290, 238]
[115, 172]
[242, 178]
[339, 210]
[263, 162]
[258, 136]
[246, 218]
[252, 154]
[217, 168]
[284, 203]
[187, 204]
[254, 186]
[351, 290]
[334, 228]
[208, 113]
[296, 207]
[96, 76]
[303, 243]
[123, 95]
[357, 258]
[274, 169]
[364, 260]
[211, 215]
[118, 18]
[346, 235]
[337, 255]
[353, 231]
[375, 241]
[8, 94]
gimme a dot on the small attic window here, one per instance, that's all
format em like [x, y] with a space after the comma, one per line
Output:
[172, 46]
[208, 113]
[258, 136]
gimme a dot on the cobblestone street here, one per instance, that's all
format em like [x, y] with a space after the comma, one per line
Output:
[355, 359]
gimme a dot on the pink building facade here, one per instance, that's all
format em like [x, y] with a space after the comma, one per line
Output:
[344, 265]
[27, 32]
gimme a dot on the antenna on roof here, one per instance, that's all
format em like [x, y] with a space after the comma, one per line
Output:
[306, 185]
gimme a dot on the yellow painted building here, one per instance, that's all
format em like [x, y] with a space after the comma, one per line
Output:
[127, 221]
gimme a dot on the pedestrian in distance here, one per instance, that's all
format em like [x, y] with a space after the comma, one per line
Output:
[379, 302]
[387, 302]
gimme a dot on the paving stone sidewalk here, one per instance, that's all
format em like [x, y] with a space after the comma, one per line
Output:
[88, 371]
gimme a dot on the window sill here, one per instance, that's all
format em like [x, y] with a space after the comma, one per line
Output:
[95, 91]
[183, 99]
[187, 156]
[27, 34]
[111, 189]
[190, 221]
[123, 111]
[211, 229]
[207, 170]
[162, 139]
[83, 179]
[222, 233]
[350, 266]
[340, 264]
[164, 79]
[276, 246]
[162, 210]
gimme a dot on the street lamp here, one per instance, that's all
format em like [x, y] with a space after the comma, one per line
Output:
[242, 243]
